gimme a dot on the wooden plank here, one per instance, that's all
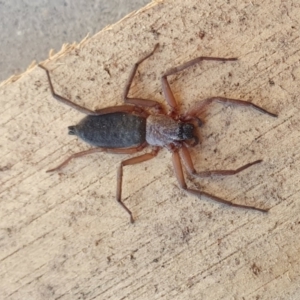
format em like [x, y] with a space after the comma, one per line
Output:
[63, 236]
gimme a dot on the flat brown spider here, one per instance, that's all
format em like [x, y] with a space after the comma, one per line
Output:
[129, 128]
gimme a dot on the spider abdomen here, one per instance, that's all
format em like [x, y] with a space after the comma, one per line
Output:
[114, 130]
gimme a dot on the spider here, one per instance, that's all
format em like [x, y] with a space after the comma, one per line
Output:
[129, 128]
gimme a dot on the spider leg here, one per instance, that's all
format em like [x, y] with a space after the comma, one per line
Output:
[65, 100]
[127, 162]
[127, 108]
[140, 101]
[202, 106]
[186, 157]
[107, 110]
[180, 177]
[94, 150]
[166, 86]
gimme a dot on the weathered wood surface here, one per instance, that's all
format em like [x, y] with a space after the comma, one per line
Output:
[63, 236]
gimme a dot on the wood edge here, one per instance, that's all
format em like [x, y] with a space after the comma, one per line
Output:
[66, 47]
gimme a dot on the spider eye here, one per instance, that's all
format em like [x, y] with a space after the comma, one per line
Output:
[187, 131]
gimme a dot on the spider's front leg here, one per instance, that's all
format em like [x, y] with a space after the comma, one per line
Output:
[202, 105]
[186, 157]
[180, 177]
[166, 86]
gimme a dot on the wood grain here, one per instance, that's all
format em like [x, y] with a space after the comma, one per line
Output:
[63, 236]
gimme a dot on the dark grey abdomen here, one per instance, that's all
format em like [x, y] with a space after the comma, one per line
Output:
[115, 130]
